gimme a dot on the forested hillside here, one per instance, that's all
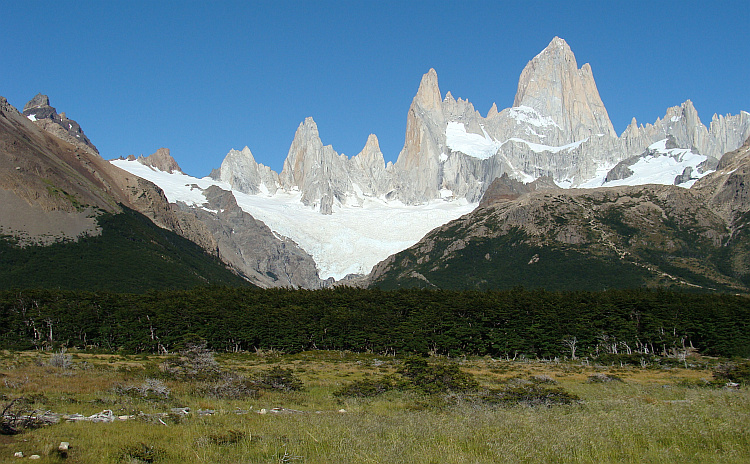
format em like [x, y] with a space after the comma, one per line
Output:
[131, 254]
[532, 323]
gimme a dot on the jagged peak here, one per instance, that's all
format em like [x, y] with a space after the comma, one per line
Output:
[493, 111]
[309, 123]
[245, 152]
[556, 46]
[161, 160]
[372, 142]
[449, 98]
[38, 101]
[428, 95]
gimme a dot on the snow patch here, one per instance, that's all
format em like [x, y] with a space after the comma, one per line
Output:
[660, 166]
[32, 117]
[474, 145]
[539, 148]
[528, 115]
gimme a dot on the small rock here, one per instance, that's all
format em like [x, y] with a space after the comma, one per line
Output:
[62, 449]
[35, 457]
[342, 410]
[18, 454]
[262, 411]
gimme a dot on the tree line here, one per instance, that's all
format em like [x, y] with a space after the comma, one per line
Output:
[512, 323]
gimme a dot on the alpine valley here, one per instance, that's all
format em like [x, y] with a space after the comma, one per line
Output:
[542, 194]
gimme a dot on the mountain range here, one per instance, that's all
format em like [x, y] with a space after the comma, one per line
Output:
[543, 193]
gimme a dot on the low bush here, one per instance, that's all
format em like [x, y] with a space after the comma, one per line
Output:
[230, 437]
[733, 371]
[367, 388]
[440, 377]
[141, 452]
[61, 360]
[600, 377]
[230, 386]
[527, 395]
[278, 378]
[153, 390]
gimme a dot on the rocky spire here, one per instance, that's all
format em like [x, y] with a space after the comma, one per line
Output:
[161, 160]
[552, 84]
[428, 95]
[39, 110]
[317, 170]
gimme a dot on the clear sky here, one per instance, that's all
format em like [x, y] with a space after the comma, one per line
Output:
[201, 78]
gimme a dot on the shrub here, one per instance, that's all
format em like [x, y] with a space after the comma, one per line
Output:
[141, 452]
[543, 378]
[230, 437]
[441, 377]
[150, 390]
[194, 362]
[61, 360]
[732, 371]
[603, 378]
[231, 386]
[367, 388]
[278, 378]
[528, 395]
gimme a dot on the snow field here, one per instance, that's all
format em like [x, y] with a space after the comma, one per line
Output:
[351, 240]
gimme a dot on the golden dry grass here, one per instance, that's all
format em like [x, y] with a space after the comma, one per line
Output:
[654, 416]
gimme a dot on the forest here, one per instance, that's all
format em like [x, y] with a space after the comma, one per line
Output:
[537, 324]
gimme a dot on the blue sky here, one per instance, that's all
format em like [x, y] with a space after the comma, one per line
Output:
[201, 78]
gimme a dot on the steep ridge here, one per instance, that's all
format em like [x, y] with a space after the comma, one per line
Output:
[575, 239]
[557, 127]
[39, 110]
[250, 247]
[160, 160]
[69, 219]
[591, 238]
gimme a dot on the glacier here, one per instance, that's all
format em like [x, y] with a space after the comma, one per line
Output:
[351, 241]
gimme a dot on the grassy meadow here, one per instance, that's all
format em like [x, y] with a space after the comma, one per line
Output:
[657, 414]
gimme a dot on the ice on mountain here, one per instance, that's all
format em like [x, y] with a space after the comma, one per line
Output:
[528, 115]
[474, 145]
[350, 241]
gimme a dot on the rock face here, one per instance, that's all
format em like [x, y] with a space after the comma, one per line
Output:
[240, 170]
[250, 247]
[161, 160]
[577, 239]
[53, 188]
[558, 127]
[39, 110]
[552, 85]
[323, 177]
[506, 189]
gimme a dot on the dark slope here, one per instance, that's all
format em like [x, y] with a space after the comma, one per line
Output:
[130, 255]
[577, 239]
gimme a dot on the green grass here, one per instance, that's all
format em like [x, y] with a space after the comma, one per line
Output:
[654, 416]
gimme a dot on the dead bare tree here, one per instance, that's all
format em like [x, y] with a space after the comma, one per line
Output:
[572, 344]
